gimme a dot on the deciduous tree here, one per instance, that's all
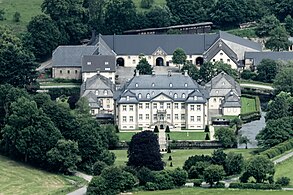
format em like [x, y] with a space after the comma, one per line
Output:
[144, 67]
[226, 136]
[278, 40]
[213, 173]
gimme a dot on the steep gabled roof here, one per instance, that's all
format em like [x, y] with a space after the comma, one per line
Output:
[102, 63]
[231, 100]
[70, 56]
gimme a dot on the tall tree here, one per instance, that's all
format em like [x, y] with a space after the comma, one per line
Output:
[289, 25]
[207, 71]
[192, 70]
[44, 36]
[120, 15]
[226, 136]
[284, 80]
[267, 70]
[179, 56]
[234, 163]
[96, 11]
[266, 25]
[29, 134]
[278, 40]
[213, 173]
[17, 65]
[159, 16]
[144, 151]
[144, 67]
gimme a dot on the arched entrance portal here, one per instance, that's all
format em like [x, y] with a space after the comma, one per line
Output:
[120, 62]
[161, 126]
[199, 61]
[159, 61]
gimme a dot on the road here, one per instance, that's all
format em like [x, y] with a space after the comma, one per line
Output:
[82, 190]
[257, 86]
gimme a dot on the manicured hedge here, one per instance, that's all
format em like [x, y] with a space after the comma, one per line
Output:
[278, 149]
[260, 186]
[197, 182]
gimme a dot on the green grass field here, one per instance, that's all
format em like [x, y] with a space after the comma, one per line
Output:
[27, 10]
[284, 169]
[248, 105]
[179, 156]
[17, 178]
[201, 191]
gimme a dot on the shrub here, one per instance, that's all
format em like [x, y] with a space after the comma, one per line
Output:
[283, 181]
[170, 158]
[207, 129]
[219, 185]
[16, 17]
[98, 167]
[278, 149]
[150, 186]
[146, 4]
[167, 129]
[260, 186]
[207, 137]
[179, 176]
[169, 149]
[156, 130]
[248, 74]
[145, 175]
[197, 182]
[192, 160]
[171, 164]
[164, 180]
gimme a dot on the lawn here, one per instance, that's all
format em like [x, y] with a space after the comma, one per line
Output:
[248, 105]
[17, 178]
[201, 191]
[27, 10]
[125, 136]
[187, 135]
[179, 156]
[284, 169]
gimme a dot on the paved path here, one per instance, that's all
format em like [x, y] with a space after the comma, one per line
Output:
[285, 157]
[212, 132]
[82, 190]
[59, 86]
[256, 86]
[162, 140]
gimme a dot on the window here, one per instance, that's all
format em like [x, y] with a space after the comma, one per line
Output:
[176, 105]
[93, 111]
[140, 106]
[195, 98]
[182, 106]
[108, 101]
[133, 61]
[128, 57]
[147, 116]
[183, 95]
[170, 85]
[170, 93]
[139, 96]
[105, 92]
[124, 108]
[175, 95]
[75, 71]
[191, 107]
[155, 106]
[215, 100]
[185, 85]
[60, 71]
[168, 105]
[155, 117]
[153, 93]
[198, 107]
[198, 118]
[108, 106]
[136, 84]
[131, 119]
[168, 116]
[149, 57]
[68, 71]
[228, 60]
[106, 63]
[182, 116]
[140, 116]
[190, 56]
[127, 98]
[153, 84]
[214, 60]
[89, 63]
[161, 105]
[176, 117]
[148, 96]
[221, 60]
[192, 118]
[124, 118]
[217, 91]
[131, 108]
[221, 54]
[147, 106]
[97, 92]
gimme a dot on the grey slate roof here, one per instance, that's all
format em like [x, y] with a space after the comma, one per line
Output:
[103, 63]
[149, 87]
[221, 85]
[70, 56]
[241, 41]
[93, 100]
[147, 44]
[259, 56]
[231, 100]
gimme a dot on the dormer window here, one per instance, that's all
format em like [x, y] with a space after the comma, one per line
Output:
[97, 92]
[183, 95]
[153, 93]
[221, 53]
[139, 96]
[170, 93]
[217, 92]
[89, 63]
[136, 84]
[175, 95]
[127, 98]
[223, 83]
[148, 96]
[170, 85]
[105, 92]
[153, 84]
[195, 98]
[106, 63]
[185, 85]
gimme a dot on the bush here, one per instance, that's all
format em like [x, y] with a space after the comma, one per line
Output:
[256, 186]
[146, 4]
[192, 160]
[248, 74]
[283, 181]
[219, 185]
[16, 17]
[171, 164]
[207, 137]
[167, 129]
[150, 186]
[278, 149]
[169, 149]
[145, 175]
[170, 158]
[156, 130]
[197, 182]
[164, 180]
[98, 167]
[207, 129]
[179, 176]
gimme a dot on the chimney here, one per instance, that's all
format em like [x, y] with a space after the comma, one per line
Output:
[136, 72]
[169, 73]
[186, 73]
[153, 72]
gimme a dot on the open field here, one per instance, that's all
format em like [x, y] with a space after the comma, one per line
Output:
[200, 191]
[248, 105]
[284, 169]
[179, 156]
[17, 178]
[27, 10]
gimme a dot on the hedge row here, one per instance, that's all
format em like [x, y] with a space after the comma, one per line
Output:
[278, 149]
[246, 118]
[260, 186]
